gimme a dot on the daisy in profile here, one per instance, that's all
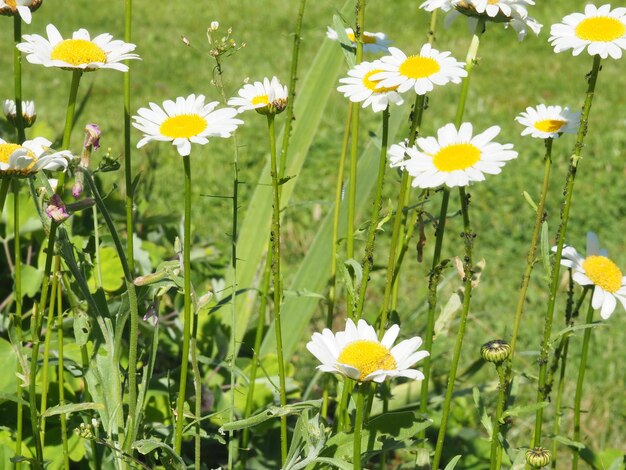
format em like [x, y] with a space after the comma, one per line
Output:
[30, 157]
[24, 8]
[184, 122]
[357, 353]
[420, 72]
[598, 271]
[548, 122]
[81, 52]
[456, 157]
[372, 42]
[600, 30]
[266, 97]
[359, 87]
[398, 155]
[28, 112]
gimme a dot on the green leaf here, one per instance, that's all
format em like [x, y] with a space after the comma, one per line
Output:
[169, 459]
[339, 25]
[71, 408]
[453, 462]
[269, 413]
[8, 362]
[82, 328]
[545, 249]
[111, 269]
[571, 329]
[523, 410]
[31, 280]
[569, 443]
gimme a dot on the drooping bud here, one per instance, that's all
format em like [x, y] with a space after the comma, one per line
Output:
[538, 457]
[56, 209]
[496, 351]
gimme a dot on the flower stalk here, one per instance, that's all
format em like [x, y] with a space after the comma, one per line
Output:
[361, 391]
[17, 75]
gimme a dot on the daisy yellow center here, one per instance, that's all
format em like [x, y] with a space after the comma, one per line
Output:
[603, 273]
[182, 126]
[419, 67]
[493, 2]
[261, 99]
[78, 52]
[371, 84]
[6, 150]
[549, 125]
[11, 3]
[456, 157]
[367, 357]
[365, 38]
[600, 29]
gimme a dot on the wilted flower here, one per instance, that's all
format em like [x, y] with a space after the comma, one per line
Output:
[56, 209]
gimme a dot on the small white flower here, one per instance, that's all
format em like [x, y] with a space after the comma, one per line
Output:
[398, 155]
[80, 52]
[599, 271]
[600, 30]
[359, 87]
[184, 122]
[548, 122]
[456, 158]
[358, 354]
[30, 157]
[267, 97]
[420, 72]
[372, 42]
[21, 7]
[214, 25]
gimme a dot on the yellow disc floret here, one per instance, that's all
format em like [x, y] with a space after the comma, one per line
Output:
[365, 38]
[603, 273]
[183, 126]
[78, 52]
[456, 157]
[6, 150]
[371, 84]
[549, 125]
[600, 29]
[417, 66]
[367, 357]
[261, 99]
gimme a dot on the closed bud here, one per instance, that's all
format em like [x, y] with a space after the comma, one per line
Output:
[538, 457]
[496, 351]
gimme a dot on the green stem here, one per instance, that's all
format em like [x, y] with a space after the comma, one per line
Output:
[293, 77]
[556, 265]
[46, 358]
[4, 189]
[184, 360]
[530, 257]
[354, 149]
[368, 259]
[558, 404]
[127, 149]
[61, 371]
[358, 426]
[17, 68]
[468, 236]
[96, 234]
[581, 379]
[278, 291]
[197, 382]
[258, 339]
[496, 448]
[17, 316]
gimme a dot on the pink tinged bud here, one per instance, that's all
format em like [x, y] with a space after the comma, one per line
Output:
[77, 189]
[56, 209]
[92, 138]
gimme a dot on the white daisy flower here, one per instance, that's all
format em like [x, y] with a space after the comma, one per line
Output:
[398, 155]
[357, 353]
[420, 72]
[267, 97]
[601, 30]
[456, 158]
[30, 157]
[24, 8]
[372, 42]
[184, 122]
[80, 52]
[359, 87]
[548, 122]
[599, 271]
[432, 5]
[28, 112]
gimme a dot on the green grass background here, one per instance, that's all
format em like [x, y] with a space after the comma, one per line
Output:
[511, 76]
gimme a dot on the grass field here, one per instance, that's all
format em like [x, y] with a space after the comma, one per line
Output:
[511, 76]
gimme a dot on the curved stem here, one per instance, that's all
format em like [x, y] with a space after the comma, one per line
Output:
[530, 257]
[358, 426]
[496, 448]
[581, 380]
[278, 291]
[17, 75]
[368, 259]
[468, 236]
[556, 264]
[184, 360]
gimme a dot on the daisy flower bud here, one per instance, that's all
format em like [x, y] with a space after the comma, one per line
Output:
[538, 457]
[496, 351]
[28, 112]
